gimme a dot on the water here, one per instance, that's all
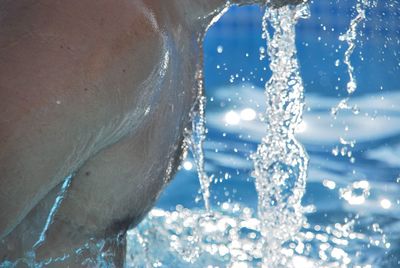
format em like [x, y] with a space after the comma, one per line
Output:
[236, 237]
[252, 206]
[348, 214]
[196, 137]
[350, 37]
[280, 162]
[53, 211]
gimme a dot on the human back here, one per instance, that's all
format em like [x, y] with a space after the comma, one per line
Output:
[99, 91]
[95, 89]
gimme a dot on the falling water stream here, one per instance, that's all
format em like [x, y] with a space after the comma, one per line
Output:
[280, 163]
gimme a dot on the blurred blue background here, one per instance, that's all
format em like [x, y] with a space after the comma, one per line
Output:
[235, 78]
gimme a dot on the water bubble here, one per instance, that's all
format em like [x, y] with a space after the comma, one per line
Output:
[220, 49]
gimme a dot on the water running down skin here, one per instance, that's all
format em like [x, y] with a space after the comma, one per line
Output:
[101, 90]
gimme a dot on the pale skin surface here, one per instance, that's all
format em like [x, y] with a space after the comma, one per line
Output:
[101, 89]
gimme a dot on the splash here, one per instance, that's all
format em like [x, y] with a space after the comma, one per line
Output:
[232, 237]
[198, 136]
[277, 235]
[243, 238]
[198, 118]
[280, 163]
[350, 37]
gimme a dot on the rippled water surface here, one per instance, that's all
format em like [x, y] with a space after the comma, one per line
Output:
[351, 135]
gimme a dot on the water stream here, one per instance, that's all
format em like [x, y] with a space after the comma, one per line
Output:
[280, 163]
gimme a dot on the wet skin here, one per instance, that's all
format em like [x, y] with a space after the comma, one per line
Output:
[99, 89]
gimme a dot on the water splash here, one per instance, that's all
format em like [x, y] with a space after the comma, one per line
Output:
[280, 163]
[198, 118]
[350, 38]
[235, 236]
[232, 237]
[278, 235]
[198, 136]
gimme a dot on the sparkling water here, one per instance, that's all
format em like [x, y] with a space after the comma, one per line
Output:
[344, 217]
[262, 212]
[280, 162]
[280, 174]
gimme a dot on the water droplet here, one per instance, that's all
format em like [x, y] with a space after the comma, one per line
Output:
[329, 184]
[351, 86]
[356, 193]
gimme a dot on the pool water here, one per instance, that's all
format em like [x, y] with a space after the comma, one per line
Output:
[353, 182]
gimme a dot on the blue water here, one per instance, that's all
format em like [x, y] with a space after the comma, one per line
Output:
[235, 78]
